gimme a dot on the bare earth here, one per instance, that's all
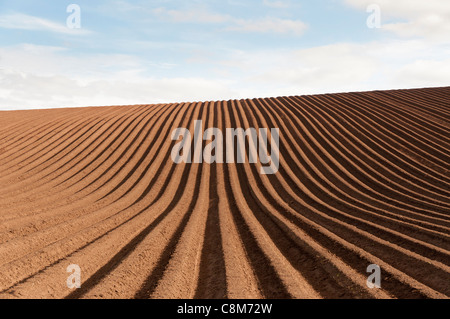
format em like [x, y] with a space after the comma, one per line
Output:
[364, 179]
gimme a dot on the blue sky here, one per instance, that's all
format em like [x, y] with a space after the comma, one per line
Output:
[142, 52]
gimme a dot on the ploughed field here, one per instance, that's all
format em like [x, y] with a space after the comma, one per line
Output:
[364, 178]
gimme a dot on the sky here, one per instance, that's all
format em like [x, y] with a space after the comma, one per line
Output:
[119, 52]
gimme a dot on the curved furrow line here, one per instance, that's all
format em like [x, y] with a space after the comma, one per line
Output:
[324, 271]
[374, 145]
[310, 163]
[12, 131]
[108, 170]
[436, 111]
[92, 250]
[150, 114]
[360, 175]
[36, 184]
[37, 127]
[22, 220]
[261, 254]
[159, 164]
[363, 179]
[396, 140]
[353, 206]
[11, 122]
[360, 235]
[440, 95]
[337, 154]
[402, 179]
[241, 280]
[124, 156]
[430, 112]
[181, 264]
[399, 126]
[419, 129]
[425, 102]
[120, 141]
[332, 268]
[137, 131]
[139, 164]
[379, 146]
[268, 196]
[139, 113]
[66, 146]
[354, 175]
[213, 280]
[410, 117]
[61, 214]
[164, 281]
[424, 168]
[71, 129]
[350, 186]
[45, 132]
[394, 282]
[352, 210]
[329, 280]
[155, 157]
[61, 211]
[112, 267]
[124, 208]
[120, 273]
[86, 238]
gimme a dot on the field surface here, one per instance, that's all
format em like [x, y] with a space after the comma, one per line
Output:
[364, 179]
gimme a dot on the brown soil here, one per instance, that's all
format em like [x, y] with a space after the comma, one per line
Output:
[364, 179]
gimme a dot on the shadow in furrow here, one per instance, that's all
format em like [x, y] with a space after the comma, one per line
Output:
[150, 284]
[115, 261]
[269, 282]
[212, 282]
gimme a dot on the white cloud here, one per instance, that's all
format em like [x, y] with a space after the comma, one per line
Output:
[47, 77]
[262, 25]
[276, 4]
[27, 22]
[269, 25]
[432, 26]
[34, 76]
[42, 77]
[341, 67]
[417, 18]
[419, 57]
[422, 72]
[28, 91]
[193, 15]
[51, 60]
